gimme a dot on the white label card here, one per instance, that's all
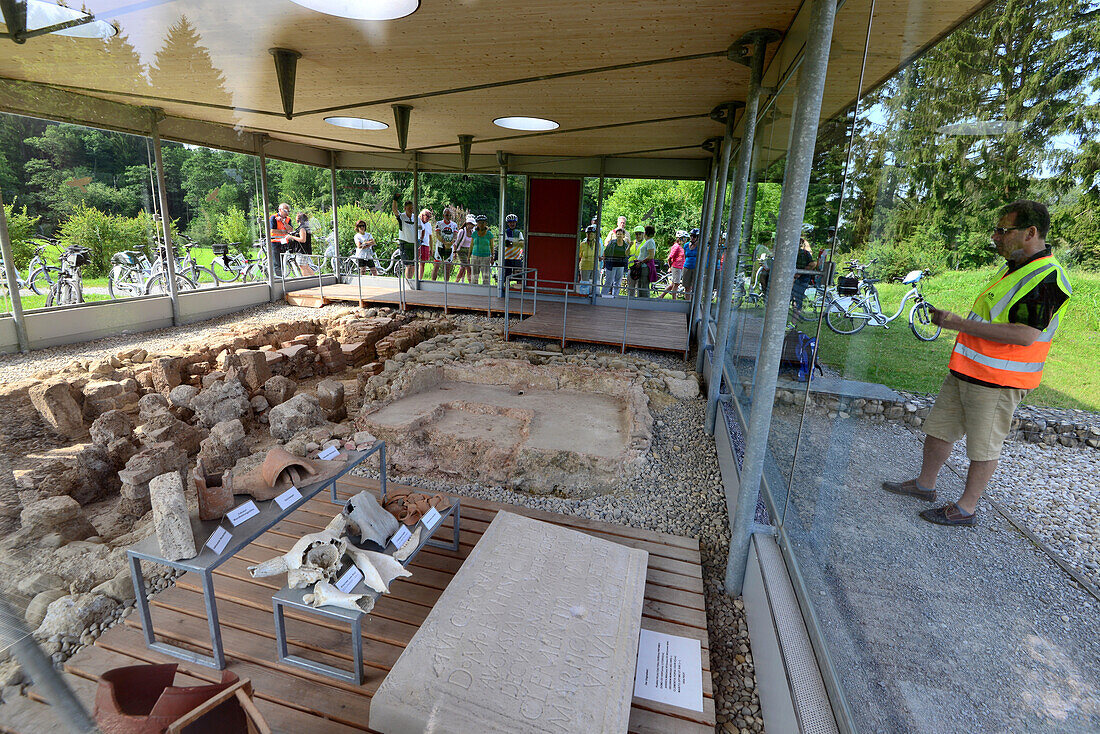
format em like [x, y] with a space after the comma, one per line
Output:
[431, 518]
[348, 581]
[239, 514]
[288, 498]
[669, 670]
[330, 453]
[401, 536]
[219, 539]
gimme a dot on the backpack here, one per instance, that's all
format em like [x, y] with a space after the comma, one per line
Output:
[799, 355]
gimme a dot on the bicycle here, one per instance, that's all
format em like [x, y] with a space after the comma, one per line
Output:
[130, 270]
[857, 304]
[157, 283]
[68, 289]
[41, 276]
[231, 267]
[190, 269]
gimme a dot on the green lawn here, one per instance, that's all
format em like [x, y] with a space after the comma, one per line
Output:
[894, 357]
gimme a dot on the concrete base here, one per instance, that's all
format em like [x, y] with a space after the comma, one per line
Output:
[537, 632]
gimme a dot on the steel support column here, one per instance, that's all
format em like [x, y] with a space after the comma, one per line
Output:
[265, 228]
[792, 207]
[335, 219]
[165, 222]
[759, 40]
[704, 230]
[502, 159]
[416, 213]
[598, 250]
[13, 282]
[705, 284]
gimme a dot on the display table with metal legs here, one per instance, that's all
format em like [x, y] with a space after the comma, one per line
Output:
[292, 598]
[207, 560]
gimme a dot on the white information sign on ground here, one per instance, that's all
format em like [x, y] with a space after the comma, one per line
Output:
[670, 670]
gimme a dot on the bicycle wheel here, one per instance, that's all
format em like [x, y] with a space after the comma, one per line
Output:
[920, 321]
[223, 272]
[201, 276]
[42, 278]
[846, 320]
[158, 284]
[811, 307]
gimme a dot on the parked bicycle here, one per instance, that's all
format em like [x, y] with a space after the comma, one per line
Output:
[68, 288]
[40, 275]
[233, 267]
[190, 269]
[855, 304]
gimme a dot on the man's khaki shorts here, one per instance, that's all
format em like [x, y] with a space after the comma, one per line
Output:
[983, 414]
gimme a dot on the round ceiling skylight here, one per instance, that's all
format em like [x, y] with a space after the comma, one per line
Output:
[41, 14]
[356, 123]
[363, 9]
[525, 123]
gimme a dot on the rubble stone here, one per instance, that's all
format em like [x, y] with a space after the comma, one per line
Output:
[222, 401]
[166, 427]
[226, 443]
[254, 371]
[111, 426]
[55, 403]
[279, 389]
[181, 395]
[166, 374]
[299, 413]
[151, 404]
[170, 519]
[61, 515]
[330, 395]
[73, 614]
[36, 609]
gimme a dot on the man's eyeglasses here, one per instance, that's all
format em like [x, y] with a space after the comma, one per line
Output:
[1002, 231]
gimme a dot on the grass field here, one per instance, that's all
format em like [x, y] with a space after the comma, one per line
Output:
[894, 357]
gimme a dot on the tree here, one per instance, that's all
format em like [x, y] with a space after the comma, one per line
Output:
[667, 205]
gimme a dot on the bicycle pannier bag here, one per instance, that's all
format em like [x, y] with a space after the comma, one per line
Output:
[220, 250]
[847, 286]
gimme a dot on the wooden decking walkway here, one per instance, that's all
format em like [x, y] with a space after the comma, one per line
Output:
[294, 700]
[391, 296]
[661, 330]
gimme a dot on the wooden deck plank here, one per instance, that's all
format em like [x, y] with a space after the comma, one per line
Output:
[297, 700]
[391, 296]
[645, 329]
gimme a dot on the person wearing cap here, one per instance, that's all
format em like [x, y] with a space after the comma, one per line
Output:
[675, 264]
[461, 250]
[691, 253]
[586, 254]
[407, 235]
[445, 232]
[643, 263]
[513, 248]
[615, 254]
[481, 250]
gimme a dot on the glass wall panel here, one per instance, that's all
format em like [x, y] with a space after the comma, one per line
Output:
[926, 626]
[369, 196]
[78, 200]
[304, 193]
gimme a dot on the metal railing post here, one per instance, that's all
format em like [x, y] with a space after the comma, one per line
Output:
[165, 222]
[265, 230]
[760, 40]
[505, 314]
[706, 284]
[626, 320]
[335, 218]
[704, 232]
[597, 252]
[792, 207]
[445, 291]
[564, 315]
[13, 281]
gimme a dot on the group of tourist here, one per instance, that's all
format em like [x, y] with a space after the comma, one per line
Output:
[442, 243]
[291, 236]
[636, 260]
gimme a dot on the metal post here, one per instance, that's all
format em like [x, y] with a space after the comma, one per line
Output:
[792, 207]
[416, 213]
[13, 282]
[704, 230]
[335, 219]
[265, 230]
[165, 223]
[760, 40]
[564, 314]
[705, 284]
[597, 251]
[500, 245]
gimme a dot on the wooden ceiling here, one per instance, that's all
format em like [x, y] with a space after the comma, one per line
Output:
[208, 60]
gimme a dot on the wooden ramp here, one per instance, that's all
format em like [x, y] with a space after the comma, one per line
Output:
[294, 700]
[391, 296]
[661, 330]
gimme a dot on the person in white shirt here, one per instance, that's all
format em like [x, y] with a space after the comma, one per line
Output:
[446, 230]
[364, 248]
[462, 245]
[407, 235]
[426, 230]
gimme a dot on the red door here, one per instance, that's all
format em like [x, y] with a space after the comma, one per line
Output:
[554, 210]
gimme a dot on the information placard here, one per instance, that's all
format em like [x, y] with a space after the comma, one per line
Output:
[401, 536]
[288, 498]
[239, 514]
[348, 581]
[330, 453]
[669, 670]
[431, 518]
[219, 539]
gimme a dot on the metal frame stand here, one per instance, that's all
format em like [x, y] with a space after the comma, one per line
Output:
[811, 85]
[730, 272]
[335, 218]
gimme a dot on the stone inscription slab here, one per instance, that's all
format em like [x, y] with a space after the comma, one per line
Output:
[537, 632]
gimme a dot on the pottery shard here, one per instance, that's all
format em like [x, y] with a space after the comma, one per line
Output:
[170, 520]
[74, 614]
[166, 427]
[297, 414]
[279, 389]
[54, 401]
[330, 395]
[60, 515]
[166, 374]
[222, 401]
[111, 426]
[254, 371]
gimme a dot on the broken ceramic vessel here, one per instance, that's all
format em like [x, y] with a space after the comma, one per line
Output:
[282, 470]
[326, 595]
[378, 569]
[366, 518]
[215, 493]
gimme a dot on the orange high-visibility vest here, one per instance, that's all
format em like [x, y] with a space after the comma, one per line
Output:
[1009, 365]
[281, 230]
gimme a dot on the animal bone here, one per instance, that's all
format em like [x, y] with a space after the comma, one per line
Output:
[326, 595]
[307, 551]
[411, 545]
[378, 569]
[300, 578]
[368, 520]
